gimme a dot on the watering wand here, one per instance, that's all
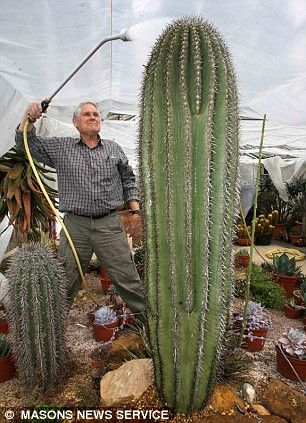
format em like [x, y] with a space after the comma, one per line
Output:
[124, 36]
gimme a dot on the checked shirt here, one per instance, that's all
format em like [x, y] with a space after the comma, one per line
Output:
[90, 181]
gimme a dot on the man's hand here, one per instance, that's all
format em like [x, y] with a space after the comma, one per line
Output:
[33, 112]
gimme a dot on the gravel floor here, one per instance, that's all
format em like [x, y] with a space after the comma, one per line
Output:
[81, 344]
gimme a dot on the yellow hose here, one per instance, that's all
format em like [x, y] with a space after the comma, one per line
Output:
[26, 144]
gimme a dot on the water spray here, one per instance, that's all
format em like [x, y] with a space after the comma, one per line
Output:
[124, 36]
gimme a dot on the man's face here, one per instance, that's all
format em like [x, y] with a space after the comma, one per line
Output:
[88, 123]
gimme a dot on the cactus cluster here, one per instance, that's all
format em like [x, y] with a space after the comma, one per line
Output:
[264, 224]
[188, 156]
[37, 313]
[243, 231]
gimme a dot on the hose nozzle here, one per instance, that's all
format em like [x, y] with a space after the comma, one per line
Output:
[125, 35]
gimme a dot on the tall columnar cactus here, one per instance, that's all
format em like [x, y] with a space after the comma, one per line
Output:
[37, 313]
[188, 152]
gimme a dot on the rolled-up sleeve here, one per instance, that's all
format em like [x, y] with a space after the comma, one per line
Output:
[130, 190]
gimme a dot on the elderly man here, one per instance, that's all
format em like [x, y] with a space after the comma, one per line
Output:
[94, 179]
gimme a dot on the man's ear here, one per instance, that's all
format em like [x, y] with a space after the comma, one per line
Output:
[74, 121]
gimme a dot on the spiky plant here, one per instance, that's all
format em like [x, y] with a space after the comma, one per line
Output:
[21, 199]
[37, 313]
[188, 152]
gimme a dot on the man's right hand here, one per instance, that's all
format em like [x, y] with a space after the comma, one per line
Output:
[33, 112]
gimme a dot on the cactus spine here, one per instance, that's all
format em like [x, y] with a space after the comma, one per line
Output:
[37, 312]
[188, 153]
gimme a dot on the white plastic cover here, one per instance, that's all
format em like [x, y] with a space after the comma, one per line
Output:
[42, 41]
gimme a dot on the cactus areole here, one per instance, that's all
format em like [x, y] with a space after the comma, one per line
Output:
[188, 151]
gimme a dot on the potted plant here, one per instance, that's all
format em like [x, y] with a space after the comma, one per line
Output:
[242, 237]
[288, 272]
[258, 322]
[3, 322]
[291, 355]
[7, 368]
[242, 258]
[295, 235]
[292, 310]
[264, 229]
[280, 228]
[105, 324]
[299, 294]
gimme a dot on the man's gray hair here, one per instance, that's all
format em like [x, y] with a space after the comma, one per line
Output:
[77, 111]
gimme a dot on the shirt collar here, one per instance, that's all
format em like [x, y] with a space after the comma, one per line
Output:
[79, 140]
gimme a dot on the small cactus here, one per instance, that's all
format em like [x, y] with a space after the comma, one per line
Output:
[104, 316]
[4, 346]
[37, 313]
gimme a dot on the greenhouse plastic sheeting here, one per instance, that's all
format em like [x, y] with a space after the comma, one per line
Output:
[41, 44]
[43, 41]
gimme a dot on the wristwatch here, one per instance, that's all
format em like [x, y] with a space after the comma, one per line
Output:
[137, 211]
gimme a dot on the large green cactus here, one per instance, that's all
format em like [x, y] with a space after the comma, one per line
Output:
[188, 153]
[37, 313]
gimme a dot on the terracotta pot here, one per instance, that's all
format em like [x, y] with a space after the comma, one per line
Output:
[291, 312]
[287, 282]
[257, 343]
[280, 229]
[7, 368]
[105, 332]
[4, 328]
[103, 273]
[298, 297]
[106, 284]
[243, 241]
[284, 363]
[242, 261]
[296, 239]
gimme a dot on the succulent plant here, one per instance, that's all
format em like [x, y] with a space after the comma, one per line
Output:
[4, 346]
[36, 314]
[293, 342]
[257, 317]
[285, 265]
[21, 200]
[104, 315]
[291, 302]
[188, 150]
[242, 252]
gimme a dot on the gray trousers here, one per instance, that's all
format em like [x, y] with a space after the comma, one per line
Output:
[107, 239]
